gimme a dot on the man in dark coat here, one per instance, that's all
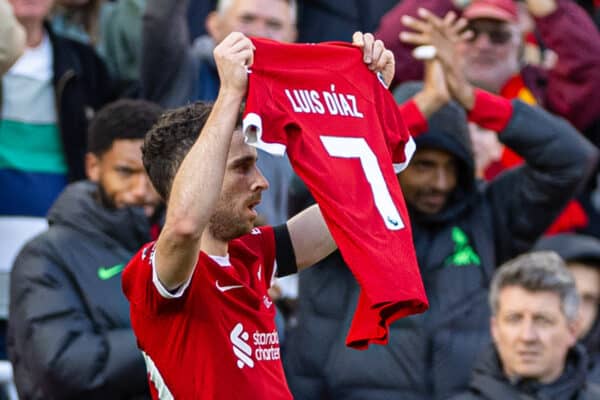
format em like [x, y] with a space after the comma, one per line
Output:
[69, 334]
[534, 316]
[581, 253]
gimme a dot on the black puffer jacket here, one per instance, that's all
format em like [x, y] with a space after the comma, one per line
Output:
[69, 335]
[430, 356]
[490, 383]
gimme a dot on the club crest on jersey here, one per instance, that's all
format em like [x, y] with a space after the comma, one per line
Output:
[311, 101]
[267, 301]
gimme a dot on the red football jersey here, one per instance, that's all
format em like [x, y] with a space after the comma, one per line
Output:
[343, 132]
[215, 338]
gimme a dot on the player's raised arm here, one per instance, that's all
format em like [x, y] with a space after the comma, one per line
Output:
[198, 181]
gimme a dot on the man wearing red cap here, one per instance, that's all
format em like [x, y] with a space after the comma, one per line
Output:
[503, 10]
[494, 56]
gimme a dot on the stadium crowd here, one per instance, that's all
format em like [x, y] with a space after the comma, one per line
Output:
[128, 191]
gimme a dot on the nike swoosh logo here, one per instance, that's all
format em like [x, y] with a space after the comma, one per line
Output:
[223, 289]
[106, 273]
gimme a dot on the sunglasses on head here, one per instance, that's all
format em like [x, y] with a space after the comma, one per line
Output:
[496, 35]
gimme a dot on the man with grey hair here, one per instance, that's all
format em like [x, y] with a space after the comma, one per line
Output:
[581, 254]
[534, 304]
[175, 71]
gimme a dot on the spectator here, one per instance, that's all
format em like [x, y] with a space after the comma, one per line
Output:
[78, 19]
[462, 230]
[582, 255]
[114, 28]
[175, 72]
[534, 310]
[69, 331]
[568, 89]
[491, 157]
[48, 97]
[12, 37]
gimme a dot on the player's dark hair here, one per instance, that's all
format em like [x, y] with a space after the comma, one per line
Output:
[170, 139]
[122, 119]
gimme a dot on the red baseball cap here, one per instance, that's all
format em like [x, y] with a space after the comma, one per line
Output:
[503, 10]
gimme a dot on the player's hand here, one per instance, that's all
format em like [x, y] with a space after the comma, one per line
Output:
[375, 55]
[232, 56]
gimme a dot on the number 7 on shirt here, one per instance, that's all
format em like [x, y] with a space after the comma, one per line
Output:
[346, 147]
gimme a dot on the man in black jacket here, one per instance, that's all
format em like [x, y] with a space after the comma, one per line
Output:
[534, 316]
[462, 229]
[69, 333]
[47, 99]
[581, 253]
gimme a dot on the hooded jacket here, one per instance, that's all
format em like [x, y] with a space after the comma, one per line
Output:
[490, 383]
[430, 356]
[69, 335]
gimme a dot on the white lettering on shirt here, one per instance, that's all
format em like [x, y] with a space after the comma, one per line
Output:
[310, 101]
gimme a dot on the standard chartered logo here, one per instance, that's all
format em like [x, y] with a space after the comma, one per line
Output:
[266, 346]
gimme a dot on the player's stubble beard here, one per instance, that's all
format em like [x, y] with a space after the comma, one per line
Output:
[226, 224]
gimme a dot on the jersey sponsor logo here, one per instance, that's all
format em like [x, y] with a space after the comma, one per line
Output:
[266, 346]
[223, 289]
[331, 102]
[463, 252]
[106, 273]
[255, 231]
[241, 348]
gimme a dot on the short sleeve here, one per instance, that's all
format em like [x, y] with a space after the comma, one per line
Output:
[140, 287]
